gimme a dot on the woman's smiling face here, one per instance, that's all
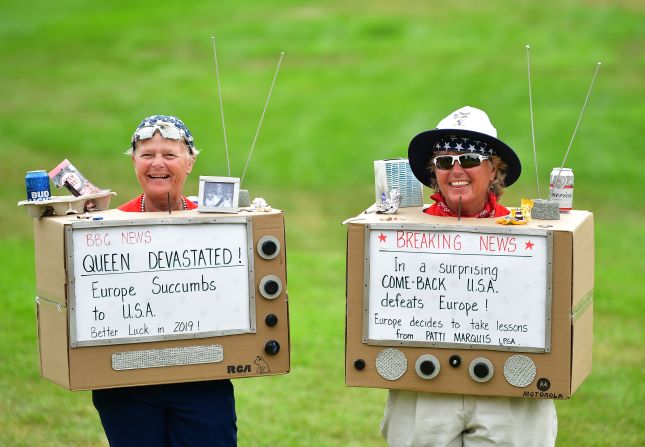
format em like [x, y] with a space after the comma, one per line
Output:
[470, 184]
[162, 166]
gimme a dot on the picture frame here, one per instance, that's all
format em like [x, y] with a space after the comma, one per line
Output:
[218, 194]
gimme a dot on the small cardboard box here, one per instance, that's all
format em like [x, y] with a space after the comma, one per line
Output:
[395, 173]
[548, 304]
[189, 314]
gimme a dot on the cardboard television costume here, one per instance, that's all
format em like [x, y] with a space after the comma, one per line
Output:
[151, 298]
[127, 299]
[468, 306]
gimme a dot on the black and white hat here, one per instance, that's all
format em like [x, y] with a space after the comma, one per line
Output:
[465, 130]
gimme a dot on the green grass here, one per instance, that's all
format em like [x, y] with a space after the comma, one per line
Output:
[359, 79]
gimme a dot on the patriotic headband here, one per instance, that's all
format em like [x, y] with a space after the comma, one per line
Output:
[463, 144]
[161, 122]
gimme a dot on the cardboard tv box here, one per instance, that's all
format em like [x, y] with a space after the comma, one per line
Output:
[128, 299]
[469, 306]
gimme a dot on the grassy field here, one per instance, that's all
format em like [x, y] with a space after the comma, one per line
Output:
[359, 79]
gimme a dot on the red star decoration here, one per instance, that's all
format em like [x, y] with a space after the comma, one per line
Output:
[529, 245]
[382, 237]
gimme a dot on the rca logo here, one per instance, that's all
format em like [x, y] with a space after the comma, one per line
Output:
[543, 384]
[238, 369]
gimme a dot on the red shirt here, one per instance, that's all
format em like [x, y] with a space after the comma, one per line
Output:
[491, 209]
[134, 205]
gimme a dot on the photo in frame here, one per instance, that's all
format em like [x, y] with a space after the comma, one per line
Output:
[218, 194]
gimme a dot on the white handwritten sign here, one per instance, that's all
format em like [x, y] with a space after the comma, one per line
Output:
[149, 282]
[454, 287]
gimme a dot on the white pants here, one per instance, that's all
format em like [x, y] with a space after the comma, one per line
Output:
[445, 420]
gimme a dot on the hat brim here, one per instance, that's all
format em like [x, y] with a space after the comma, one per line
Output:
[422, 149]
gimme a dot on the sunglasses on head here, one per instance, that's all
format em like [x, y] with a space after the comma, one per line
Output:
[465, 160]
[167, 131]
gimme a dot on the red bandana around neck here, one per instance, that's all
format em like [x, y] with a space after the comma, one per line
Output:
[491, 208]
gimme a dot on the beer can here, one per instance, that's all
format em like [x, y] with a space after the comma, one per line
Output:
[37, 184]
[561, 188]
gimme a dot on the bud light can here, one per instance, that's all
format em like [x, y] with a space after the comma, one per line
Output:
[37, 183]
[561, 188]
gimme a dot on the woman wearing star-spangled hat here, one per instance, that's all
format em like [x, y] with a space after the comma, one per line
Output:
[468, 168]
[465, 164]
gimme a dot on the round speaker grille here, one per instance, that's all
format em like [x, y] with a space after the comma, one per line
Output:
[519, 371]
[391, 363]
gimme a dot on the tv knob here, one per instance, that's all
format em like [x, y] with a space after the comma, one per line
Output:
[270, 287]
[481, 370]
[272, 347]
[271, 320]
[359, 364]
[455, 361]
[427, 366]
[268, 247]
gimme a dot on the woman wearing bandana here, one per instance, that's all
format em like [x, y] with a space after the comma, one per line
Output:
[169, 415]
[468, 167]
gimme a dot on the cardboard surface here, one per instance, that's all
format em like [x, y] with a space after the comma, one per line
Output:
[558, 372]
[53, 342]
[91, 367]
[51, 280]
[582, 334]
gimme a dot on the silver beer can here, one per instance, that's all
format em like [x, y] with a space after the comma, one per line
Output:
[561, 188]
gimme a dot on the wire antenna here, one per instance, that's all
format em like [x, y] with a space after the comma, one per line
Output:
[221, 107]
[266, 104]
[528, 66]
[580, 117]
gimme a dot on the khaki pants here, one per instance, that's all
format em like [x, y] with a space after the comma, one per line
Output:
[443, 420]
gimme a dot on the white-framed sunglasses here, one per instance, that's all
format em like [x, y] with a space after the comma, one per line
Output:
[167, 131]
[466, 161]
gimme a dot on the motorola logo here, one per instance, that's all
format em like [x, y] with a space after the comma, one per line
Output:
[543, 384]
